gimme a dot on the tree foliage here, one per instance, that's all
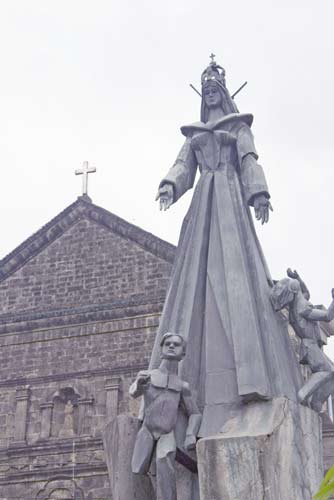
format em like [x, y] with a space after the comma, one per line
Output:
[326, 490]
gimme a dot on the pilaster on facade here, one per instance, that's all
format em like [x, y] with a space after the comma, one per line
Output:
[112, 388]
[83, 404]
[21, 414]
[46, 419]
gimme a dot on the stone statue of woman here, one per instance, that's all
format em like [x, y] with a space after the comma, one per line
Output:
[67, 429]
[218, 298]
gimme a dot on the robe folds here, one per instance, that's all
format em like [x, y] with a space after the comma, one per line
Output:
[238, 348]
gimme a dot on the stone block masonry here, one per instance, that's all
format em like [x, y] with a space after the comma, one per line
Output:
[79, 307]
[271, 450]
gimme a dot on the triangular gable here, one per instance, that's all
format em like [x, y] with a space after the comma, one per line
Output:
[82, 207]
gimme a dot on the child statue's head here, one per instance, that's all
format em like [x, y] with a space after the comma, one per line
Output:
[173, 346]
[284, 292]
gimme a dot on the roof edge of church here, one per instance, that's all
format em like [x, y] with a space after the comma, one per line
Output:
[82, 207]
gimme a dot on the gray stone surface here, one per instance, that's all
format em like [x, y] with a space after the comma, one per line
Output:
[269, 451]
[86, 253]
[292, 293]
[79, 307]
[164, 393]
[119, 439]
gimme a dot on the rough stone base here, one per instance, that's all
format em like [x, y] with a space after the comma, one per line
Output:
[269, 451]
[119, 438]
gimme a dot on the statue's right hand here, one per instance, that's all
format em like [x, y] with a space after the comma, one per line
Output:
[166, 196]
[190, 442]
[333, 293]
[143, 377]
[292, 274]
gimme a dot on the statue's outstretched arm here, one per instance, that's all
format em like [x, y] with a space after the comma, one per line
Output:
[315, 314]
[180, 177]
[294, 275]
[140, 384]
[252, 176]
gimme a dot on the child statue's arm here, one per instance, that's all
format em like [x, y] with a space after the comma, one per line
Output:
[194, 418]
[314, 314]
[140, 384]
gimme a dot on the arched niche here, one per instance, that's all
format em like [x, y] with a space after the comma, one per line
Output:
[65, 415]
[60, 489]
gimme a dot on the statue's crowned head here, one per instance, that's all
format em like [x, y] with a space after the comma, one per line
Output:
[213, 73]
[214, 91]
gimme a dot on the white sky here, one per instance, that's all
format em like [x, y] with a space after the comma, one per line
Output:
[108, 82]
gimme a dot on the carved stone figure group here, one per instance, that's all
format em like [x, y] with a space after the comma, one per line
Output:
[219, 292]
[292, 292]
[222, 302]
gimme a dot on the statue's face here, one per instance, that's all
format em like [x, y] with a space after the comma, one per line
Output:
[212, 96]
[172, 348]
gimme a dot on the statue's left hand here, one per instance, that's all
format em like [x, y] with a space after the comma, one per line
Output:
[292, 274]
[190, 442]
[262, 206]
[166, 195]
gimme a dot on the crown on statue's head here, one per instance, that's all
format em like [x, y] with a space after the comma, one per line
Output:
[213, 73]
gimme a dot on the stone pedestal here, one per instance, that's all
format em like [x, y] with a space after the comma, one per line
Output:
[119, 437]
[270, 450]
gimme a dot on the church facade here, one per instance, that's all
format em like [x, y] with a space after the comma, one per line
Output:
[80, 302]
[79, 307]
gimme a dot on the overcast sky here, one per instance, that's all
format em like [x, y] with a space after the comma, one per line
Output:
[108, 81]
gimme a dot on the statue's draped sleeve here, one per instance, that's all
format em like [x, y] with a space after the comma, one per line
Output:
[252, 175]
[183, 172]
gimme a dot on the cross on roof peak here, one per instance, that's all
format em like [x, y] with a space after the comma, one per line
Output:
[212, 57]
[84, 172]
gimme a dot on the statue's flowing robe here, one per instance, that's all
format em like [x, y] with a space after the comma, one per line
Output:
[218, 298]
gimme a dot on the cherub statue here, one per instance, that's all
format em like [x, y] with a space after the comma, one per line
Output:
[292, 292]
[164, 393]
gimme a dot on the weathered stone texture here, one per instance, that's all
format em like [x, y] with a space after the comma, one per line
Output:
[86, 359]
[328, 442]
[119, 438]
[79, 307]
[271, 450]
[107, 345]
[87, 265]
[80, 303]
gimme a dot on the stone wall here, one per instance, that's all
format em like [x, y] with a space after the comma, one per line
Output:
[92, 365]
[87, 265]
[79, 309]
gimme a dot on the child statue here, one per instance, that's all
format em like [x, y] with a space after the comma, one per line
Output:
[292, 292]
[164, 394]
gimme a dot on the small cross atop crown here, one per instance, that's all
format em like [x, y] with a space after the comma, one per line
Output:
[212, 57]
[214, 72]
